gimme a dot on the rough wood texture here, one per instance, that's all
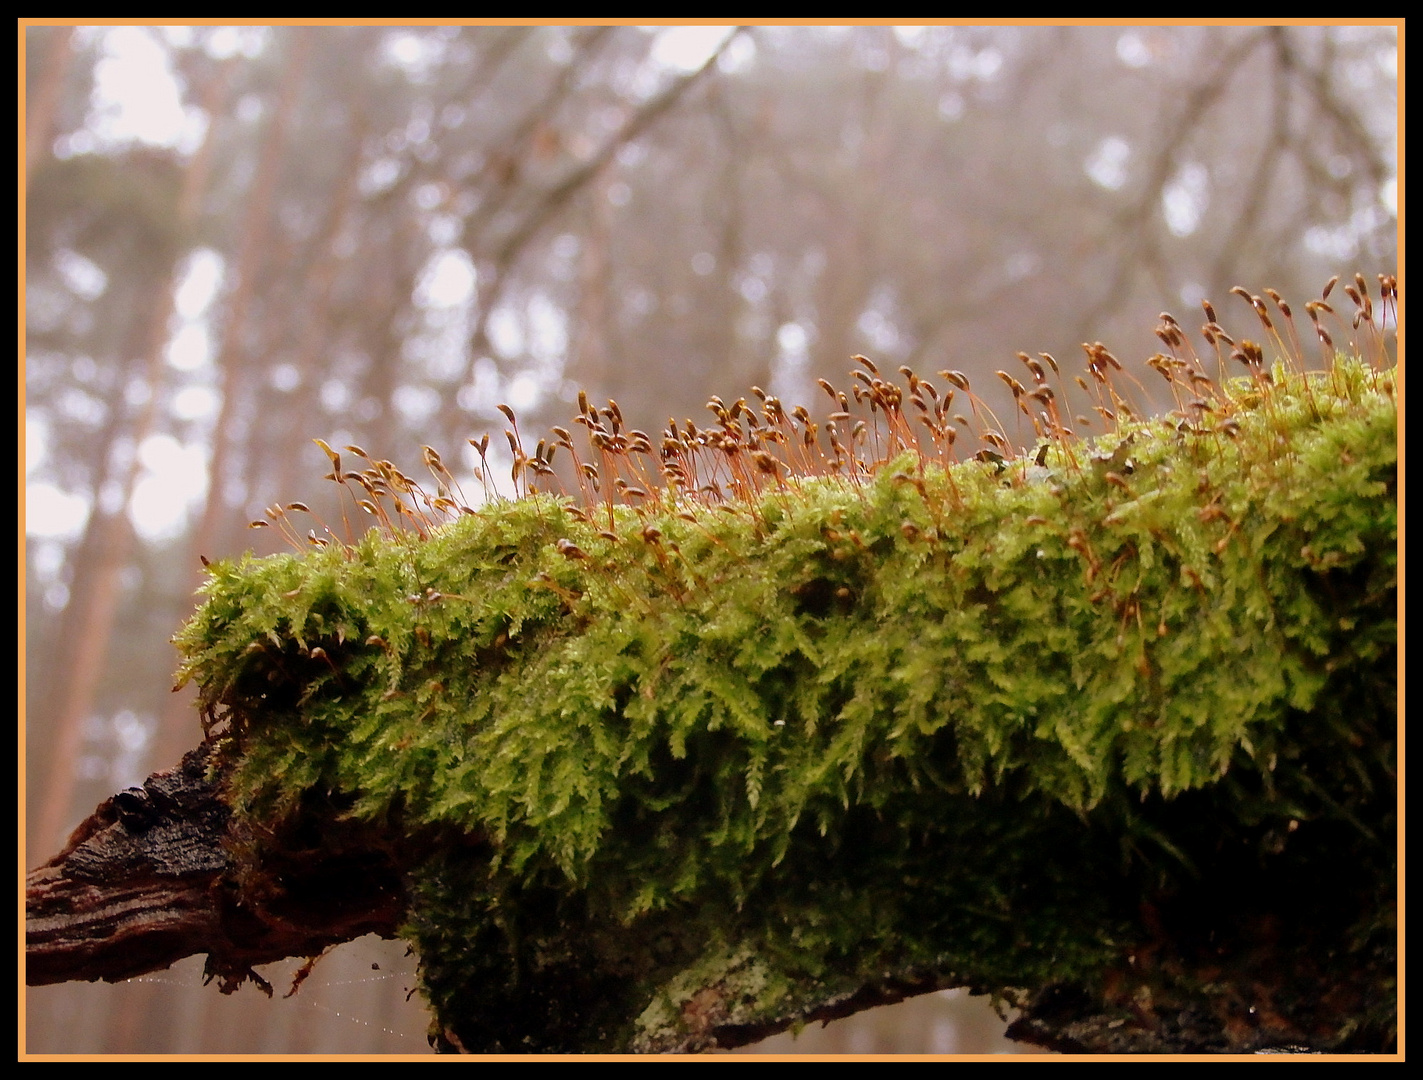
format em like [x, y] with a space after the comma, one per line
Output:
[1135, 776]
[156, 874]
[151, 877]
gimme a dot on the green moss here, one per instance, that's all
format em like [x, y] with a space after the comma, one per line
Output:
[932, 720]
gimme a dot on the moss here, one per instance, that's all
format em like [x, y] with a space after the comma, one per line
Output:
[715, 766]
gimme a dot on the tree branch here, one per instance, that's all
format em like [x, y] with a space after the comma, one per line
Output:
[157, 873]
[683, 786]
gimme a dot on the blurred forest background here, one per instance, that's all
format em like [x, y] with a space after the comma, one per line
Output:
[238, 239]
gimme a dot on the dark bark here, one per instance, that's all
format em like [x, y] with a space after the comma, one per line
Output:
[160, 872]
[156, 874]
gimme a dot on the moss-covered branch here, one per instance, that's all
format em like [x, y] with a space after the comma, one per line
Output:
[1107, 730]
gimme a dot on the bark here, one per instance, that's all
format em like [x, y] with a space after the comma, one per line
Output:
[159, 873]
[155, 874]
[585, 872]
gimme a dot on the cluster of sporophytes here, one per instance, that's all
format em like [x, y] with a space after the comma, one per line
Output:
[768, 709]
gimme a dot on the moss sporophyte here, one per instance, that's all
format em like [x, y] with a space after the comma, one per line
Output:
[772, 709]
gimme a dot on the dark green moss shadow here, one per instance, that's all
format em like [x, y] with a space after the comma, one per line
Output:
[1109, 726]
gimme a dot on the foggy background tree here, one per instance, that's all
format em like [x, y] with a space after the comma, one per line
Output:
[241, 239]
